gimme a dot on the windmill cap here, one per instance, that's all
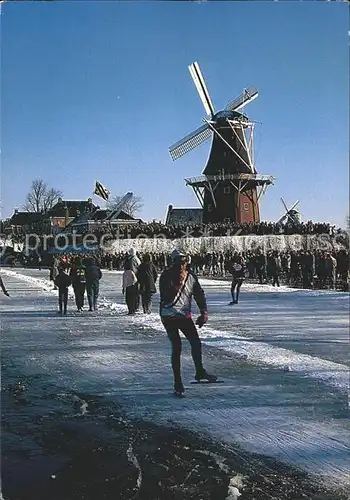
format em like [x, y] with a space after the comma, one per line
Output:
[176, 254]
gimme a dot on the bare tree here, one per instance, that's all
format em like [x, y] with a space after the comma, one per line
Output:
[132, 207]
[40, 197]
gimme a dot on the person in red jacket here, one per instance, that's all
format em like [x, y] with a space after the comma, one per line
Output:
[177, 285]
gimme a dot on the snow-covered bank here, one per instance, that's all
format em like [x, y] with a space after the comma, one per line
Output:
[238, 243]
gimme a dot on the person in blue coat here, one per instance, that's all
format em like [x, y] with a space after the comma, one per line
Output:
[93, 275]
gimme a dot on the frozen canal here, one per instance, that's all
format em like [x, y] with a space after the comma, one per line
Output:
[283, 354]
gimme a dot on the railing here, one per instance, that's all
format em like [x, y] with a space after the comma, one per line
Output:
[230, 177]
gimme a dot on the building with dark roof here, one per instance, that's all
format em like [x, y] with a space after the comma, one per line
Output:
[66, 211]
[23, 222]
[98, 219]
[183, 216]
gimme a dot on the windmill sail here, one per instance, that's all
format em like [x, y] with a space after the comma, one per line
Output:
[190, 142]
[119, 207]
[202, 90]
[247, 96]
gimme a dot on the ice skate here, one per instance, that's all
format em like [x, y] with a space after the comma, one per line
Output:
[205, 376]
[179, 389]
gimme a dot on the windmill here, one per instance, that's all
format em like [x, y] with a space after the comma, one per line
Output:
[291, 215]
[230, 187]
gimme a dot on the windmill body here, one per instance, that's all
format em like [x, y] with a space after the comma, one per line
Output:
[230, 187]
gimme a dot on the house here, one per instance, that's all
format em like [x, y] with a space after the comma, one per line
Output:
[65, 211]
[24, 222]
[176, 216]
[98, 219]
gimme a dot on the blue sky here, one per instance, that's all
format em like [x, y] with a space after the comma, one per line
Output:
[100, 90]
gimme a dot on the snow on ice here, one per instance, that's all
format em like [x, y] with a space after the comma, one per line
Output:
[282, 353]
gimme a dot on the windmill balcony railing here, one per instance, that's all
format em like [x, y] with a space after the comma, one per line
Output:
[264, 179]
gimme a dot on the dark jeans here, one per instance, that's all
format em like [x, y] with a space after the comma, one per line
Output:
[63, 298]
[131, 297]
[261, 274]
[79, 291]
[187, 327]
[275, 279]
[92, 290]
[236, 282]
[146, 299]
[137, 297]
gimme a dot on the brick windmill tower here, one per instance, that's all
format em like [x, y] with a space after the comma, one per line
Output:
[230, 187]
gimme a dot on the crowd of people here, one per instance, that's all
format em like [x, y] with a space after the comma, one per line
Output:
[83, 275]
[195, 230]
[303, 269]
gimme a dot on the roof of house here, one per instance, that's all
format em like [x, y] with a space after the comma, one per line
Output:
[101, 214]
[25, 218]
[183, 216]
[74, 208]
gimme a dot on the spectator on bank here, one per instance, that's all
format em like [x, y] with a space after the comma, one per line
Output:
[78, 277]
[132, 262]
[130, 290]
[62, 281]
[93, 275]
[275, 267]
[146, 277]
[331, 269]
[260, 265]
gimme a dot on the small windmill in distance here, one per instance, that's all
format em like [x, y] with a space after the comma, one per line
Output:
[291, 215]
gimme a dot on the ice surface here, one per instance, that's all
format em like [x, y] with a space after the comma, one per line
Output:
[298, 416]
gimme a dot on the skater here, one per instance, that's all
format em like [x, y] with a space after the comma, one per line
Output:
[238, 275]
[177, 285]
[147, 278]
[62, 281]
[130, 290]
[93, 275]
[3, 287]
[133, 262]
[78, 277]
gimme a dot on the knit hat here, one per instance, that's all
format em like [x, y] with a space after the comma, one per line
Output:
[176, 254]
